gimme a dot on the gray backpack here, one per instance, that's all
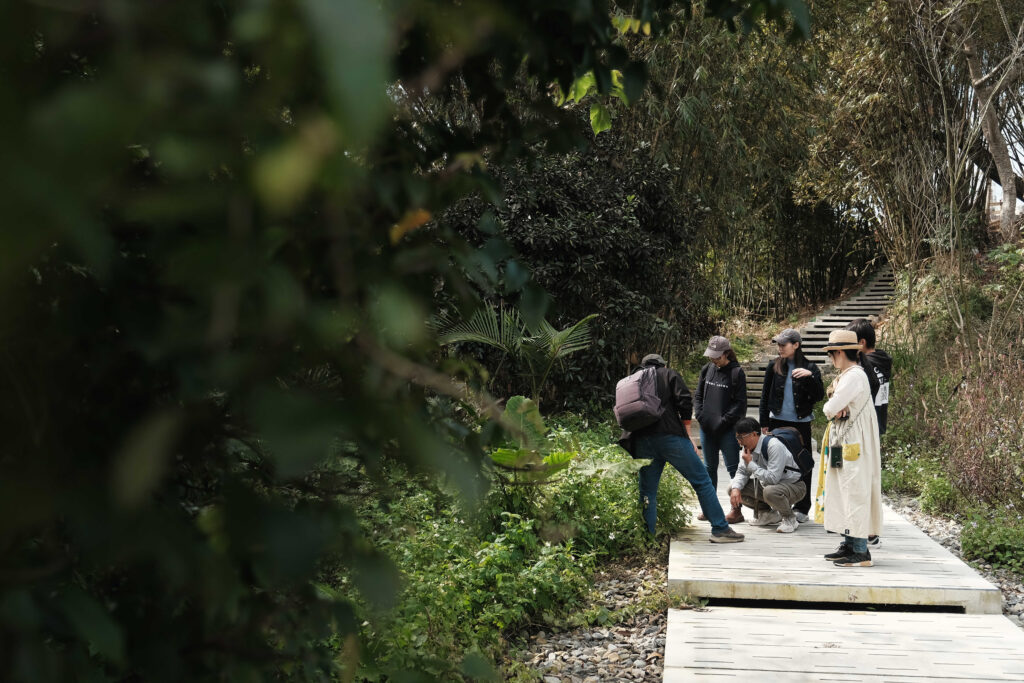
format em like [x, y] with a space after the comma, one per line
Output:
[637, 404]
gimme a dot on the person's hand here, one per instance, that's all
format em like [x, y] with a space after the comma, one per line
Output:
[746, 456]
[843, 414]
[801, 372]
[735, 497]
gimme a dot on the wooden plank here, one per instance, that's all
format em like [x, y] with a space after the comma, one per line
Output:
[909, 567]
[827, 645]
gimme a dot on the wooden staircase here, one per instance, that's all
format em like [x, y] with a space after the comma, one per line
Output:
[869, 301]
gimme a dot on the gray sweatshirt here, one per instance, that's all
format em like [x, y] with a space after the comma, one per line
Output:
[770, 470]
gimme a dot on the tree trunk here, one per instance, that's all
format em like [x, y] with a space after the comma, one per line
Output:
[990, 127]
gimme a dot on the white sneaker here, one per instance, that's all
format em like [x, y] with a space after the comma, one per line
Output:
[766, 518]
[788, 526]
[801, 517]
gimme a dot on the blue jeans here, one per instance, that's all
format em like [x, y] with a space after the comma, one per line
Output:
[857, 545]
[677, 451]
[722, 440]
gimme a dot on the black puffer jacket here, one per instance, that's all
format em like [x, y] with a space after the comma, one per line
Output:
[806, 390]
[678, 407]
[721, 396]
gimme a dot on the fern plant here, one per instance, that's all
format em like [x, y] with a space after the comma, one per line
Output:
[503, 328]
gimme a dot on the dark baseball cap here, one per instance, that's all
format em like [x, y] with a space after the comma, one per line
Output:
[787, 336]
[653, 358]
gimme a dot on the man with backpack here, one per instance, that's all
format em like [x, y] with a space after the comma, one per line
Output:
[769, 478]
[878, 366]
[653, 406]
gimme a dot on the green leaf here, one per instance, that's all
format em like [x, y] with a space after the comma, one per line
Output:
[582, 87]
[354, 46]
[501, 329]
[558, 460]
[515, 276]
[513, 458]
[142, 460]
[533, 303]
[377, 579]
[93, 624]
[600, 118]
[525, 415]
[633, 81]
[478, 667]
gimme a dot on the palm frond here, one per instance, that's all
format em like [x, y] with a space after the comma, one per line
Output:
[499, 328]
[560, 343]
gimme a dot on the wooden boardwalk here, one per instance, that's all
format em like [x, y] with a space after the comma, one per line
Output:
[766, 634]
[791, 646]
[760, 641]
[909, 568]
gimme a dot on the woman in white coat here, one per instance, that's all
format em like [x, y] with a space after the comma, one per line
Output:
[853, 484]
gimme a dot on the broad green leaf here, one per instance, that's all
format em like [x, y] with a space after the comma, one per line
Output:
[525, 415]
[377, 578]
[142, 460]
[93, 624]
[582, 87]
[513, 458]
[600, 118]
[354, 46]
[558, 460]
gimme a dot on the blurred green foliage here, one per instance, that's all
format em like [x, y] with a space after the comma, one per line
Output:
[213, 295]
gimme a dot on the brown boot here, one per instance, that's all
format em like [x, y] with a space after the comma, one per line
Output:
[735, 515]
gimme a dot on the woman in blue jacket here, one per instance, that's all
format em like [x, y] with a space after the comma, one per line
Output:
[720, 400]
[792, 385]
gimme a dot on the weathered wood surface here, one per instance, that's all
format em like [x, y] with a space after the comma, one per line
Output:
[909, 567]
[824, 645]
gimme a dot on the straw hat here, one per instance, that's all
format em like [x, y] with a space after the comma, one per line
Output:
[839, 340]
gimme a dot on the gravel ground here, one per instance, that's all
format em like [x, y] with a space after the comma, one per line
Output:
[633, 650]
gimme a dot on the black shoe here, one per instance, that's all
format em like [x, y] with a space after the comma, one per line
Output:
[873, 540]
[841, 552]
[855, 560]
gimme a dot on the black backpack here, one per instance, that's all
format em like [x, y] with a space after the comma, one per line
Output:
[790, 437]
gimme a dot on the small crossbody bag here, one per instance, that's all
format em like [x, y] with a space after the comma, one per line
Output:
[838, 449]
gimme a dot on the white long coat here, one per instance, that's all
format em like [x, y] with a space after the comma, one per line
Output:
[853, 493]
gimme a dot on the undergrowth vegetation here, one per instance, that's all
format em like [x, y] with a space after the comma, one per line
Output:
[474, 575]
[956, 415]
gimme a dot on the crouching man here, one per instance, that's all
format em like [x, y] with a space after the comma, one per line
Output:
[768, 479]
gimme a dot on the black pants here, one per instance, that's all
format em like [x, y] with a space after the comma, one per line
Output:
[804, 428]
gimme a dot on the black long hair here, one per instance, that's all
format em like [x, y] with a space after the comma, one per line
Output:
[798, 357]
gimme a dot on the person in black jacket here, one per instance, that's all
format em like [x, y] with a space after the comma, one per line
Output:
[792, 385]
[668, 441]
[719, 401]
[878, 365]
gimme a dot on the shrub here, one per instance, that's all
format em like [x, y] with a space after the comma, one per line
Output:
[995, 536]
[938, 494]
[603, 232]
[984, 443]
[909, 469]
[473, 576]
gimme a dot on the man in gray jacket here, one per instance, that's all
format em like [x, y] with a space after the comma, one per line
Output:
[768, 477]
